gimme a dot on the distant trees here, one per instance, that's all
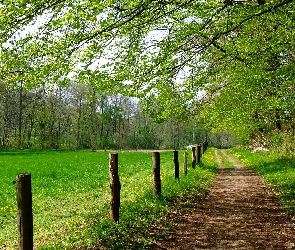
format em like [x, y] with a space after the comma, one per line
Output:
[79, 116]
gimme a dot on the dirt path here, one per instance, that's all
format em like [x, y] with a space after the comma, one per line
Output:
[240, 212]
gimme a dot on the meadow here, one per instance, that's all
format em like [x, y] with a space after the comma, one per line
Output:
[71, 196]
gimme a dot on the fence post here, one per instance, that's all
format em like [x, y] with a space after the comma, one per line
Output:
[202, 148]
[24, 212]
[205, 145]
[199, 153]
[185, 162]
[156, 174]
[115, 187]
[193, 157]
[176, 164]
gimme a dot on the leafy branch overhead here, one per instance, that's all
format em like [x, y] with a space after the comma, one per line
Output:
[196, 53]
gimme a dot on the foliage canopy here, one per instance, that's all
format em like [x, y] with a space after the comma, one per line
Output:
[230, 61]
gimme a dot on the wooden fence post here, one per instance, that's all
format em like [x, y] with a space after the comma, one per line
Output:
[156, 174]
[193, 157]
[115, 187]
[205, 145]
[202, 149]
[199, 153]
[185, 162]
[176, 164]
[24, 212]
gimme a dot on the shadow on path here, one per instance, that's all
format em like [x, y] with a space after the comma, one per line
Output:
[240, 212]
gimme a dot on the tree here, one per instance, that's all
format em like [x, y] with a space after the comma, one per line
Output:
[251, 83]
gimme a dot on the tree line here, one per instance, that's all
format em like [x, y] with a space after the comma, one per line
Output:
[78, 116]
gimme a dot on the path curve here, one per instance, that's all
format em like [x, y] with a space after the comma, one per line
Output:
[240, 212]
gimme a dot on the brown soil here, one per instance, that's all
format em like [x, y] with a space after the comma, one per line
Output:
[239, 212]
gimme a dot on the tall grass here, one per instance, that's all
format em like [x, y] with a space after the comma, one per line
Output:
[71, 196]
[277, 170]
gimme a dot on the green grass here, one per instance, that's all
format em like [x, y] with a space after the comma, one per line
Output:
[71, 196]
[278, 172]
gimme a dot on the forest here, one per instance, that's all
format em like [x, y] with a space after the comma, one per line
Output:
[146, 74]
[80, 117]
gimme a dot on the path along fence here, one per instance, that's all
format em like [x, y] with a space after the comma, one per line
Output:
[24, 190]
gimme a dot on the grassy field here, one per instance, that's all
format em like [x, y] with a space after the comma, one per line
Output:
[71, 196]
[277, 170]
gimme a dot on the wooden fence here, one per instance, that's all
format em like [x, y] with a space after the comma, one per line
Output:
[24, 191]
